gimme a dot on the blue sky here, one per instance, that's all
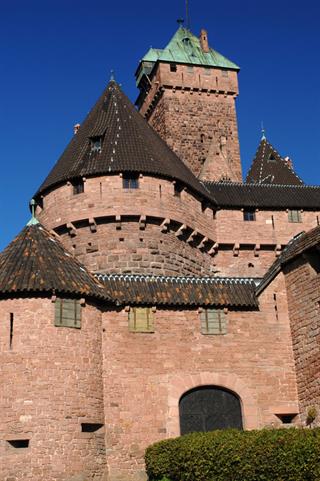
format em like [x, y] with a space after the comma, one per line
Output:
[56, 57]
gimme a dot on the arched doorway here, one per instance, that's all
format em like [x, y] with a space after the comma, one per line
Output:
[207, 408]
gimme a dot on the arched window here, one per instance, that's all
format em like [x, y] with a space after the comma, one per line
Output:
[207, 408]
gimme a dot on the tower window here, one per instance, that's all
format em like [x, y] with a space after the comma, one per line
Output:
[141, 319]
[294, 216]
[96, 144]
[67, 313]
[173, 67]
[249, 215]
[78, 186]
[213, 321]
[130, 182]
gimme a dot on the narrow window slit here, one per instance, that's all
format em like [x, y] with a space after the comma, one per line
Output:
[11, 330]
[90, 427]
[19, 443]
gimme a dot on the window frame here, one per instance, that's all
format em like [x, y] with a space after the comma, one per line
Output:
[130, 182]
[249, 215]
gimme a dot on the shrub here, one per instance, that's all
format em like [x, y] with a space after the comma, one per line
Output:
[231, 455]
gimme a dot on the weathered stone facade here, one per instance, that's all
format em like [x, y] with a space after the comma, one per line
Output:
[82, 403]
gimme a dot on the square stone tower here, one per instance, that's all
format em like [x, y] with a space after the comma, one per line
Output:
[187, 93]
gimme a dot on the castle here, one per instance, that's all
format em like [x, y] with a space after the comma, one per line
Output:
[153, 292]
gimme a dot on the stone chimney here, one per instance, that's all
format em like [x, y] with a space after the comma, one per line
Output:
[204, 41]
[76, 128]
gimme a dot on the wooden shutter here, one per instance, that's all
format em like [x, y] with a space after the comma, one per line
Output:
[141, 319]
[294, 216]
[67, 313]
[213, 321]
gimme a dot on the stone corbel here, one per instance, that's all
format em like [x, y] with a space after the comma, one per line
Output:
[93, 225]
[165, 225]
[214, 249]
[236, 249]
[192, 236]
[203, 242]
[142, 222]
[118, 222]
[72, 230]
[181, 230]
[277, 250]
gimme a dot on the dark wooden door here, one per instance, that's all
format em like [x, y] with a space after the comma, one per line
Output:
[208, 408]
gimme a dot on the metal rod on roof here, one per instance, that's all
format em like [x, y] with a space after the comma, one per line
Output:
[187, 15]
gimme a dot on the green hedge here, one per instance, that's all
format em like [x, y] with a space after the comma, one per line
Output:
[231, 455]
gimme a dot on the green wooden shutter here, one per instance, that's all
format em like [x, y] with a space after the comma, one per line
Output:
[213, 321]
[67, 313]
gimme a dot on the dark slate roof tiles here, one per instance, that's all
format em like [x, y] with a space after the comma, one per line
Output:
[264, 196]
[36, 261]
[129, 144]
[180, 291]
[268, 167]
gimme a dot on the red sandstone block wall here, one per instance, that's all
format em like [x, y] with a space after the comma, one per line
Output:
[303, 285]
[50, 383]
[143, 387]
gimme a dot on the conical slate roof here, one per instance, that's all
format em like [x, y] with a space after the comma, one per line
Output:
[35, 261]
[128, 144]
[268, 167]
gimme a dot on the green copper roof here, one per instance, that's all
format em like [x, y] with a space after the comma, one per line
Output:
[184, 47]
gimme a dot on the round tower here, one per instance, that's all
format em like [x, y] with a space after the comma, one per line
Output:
[123, 202]
[52, 425]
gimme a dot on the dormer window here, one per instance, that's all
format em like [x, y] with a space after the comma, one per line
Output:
[78, 186]
[130, 181]
[96, 144]
[249, 215]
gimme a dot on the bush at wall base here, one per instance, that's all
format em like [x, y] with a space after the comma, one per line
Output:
[231, 455]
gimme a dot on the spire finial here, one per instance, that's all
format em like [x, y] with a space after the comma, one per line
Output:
[111, 75]
[33, 220]
[263, 132]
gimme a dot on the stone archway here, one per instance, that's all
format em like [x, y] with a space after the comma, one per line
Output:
[206, 408]
[181, 383]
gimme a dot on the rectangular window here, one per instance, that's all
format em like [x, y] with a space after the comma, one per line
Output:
[130, 182]
[294, 216]
[141, 319]
[78, 187]
[249, 215]
[213, 321]
[67, 313]
[173, 67]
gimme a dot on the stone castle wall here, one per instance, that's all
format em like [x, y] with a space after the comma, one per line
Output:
[51, 382]
[193, 110]
[143, 388]
[303, 286]
[150, 230]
